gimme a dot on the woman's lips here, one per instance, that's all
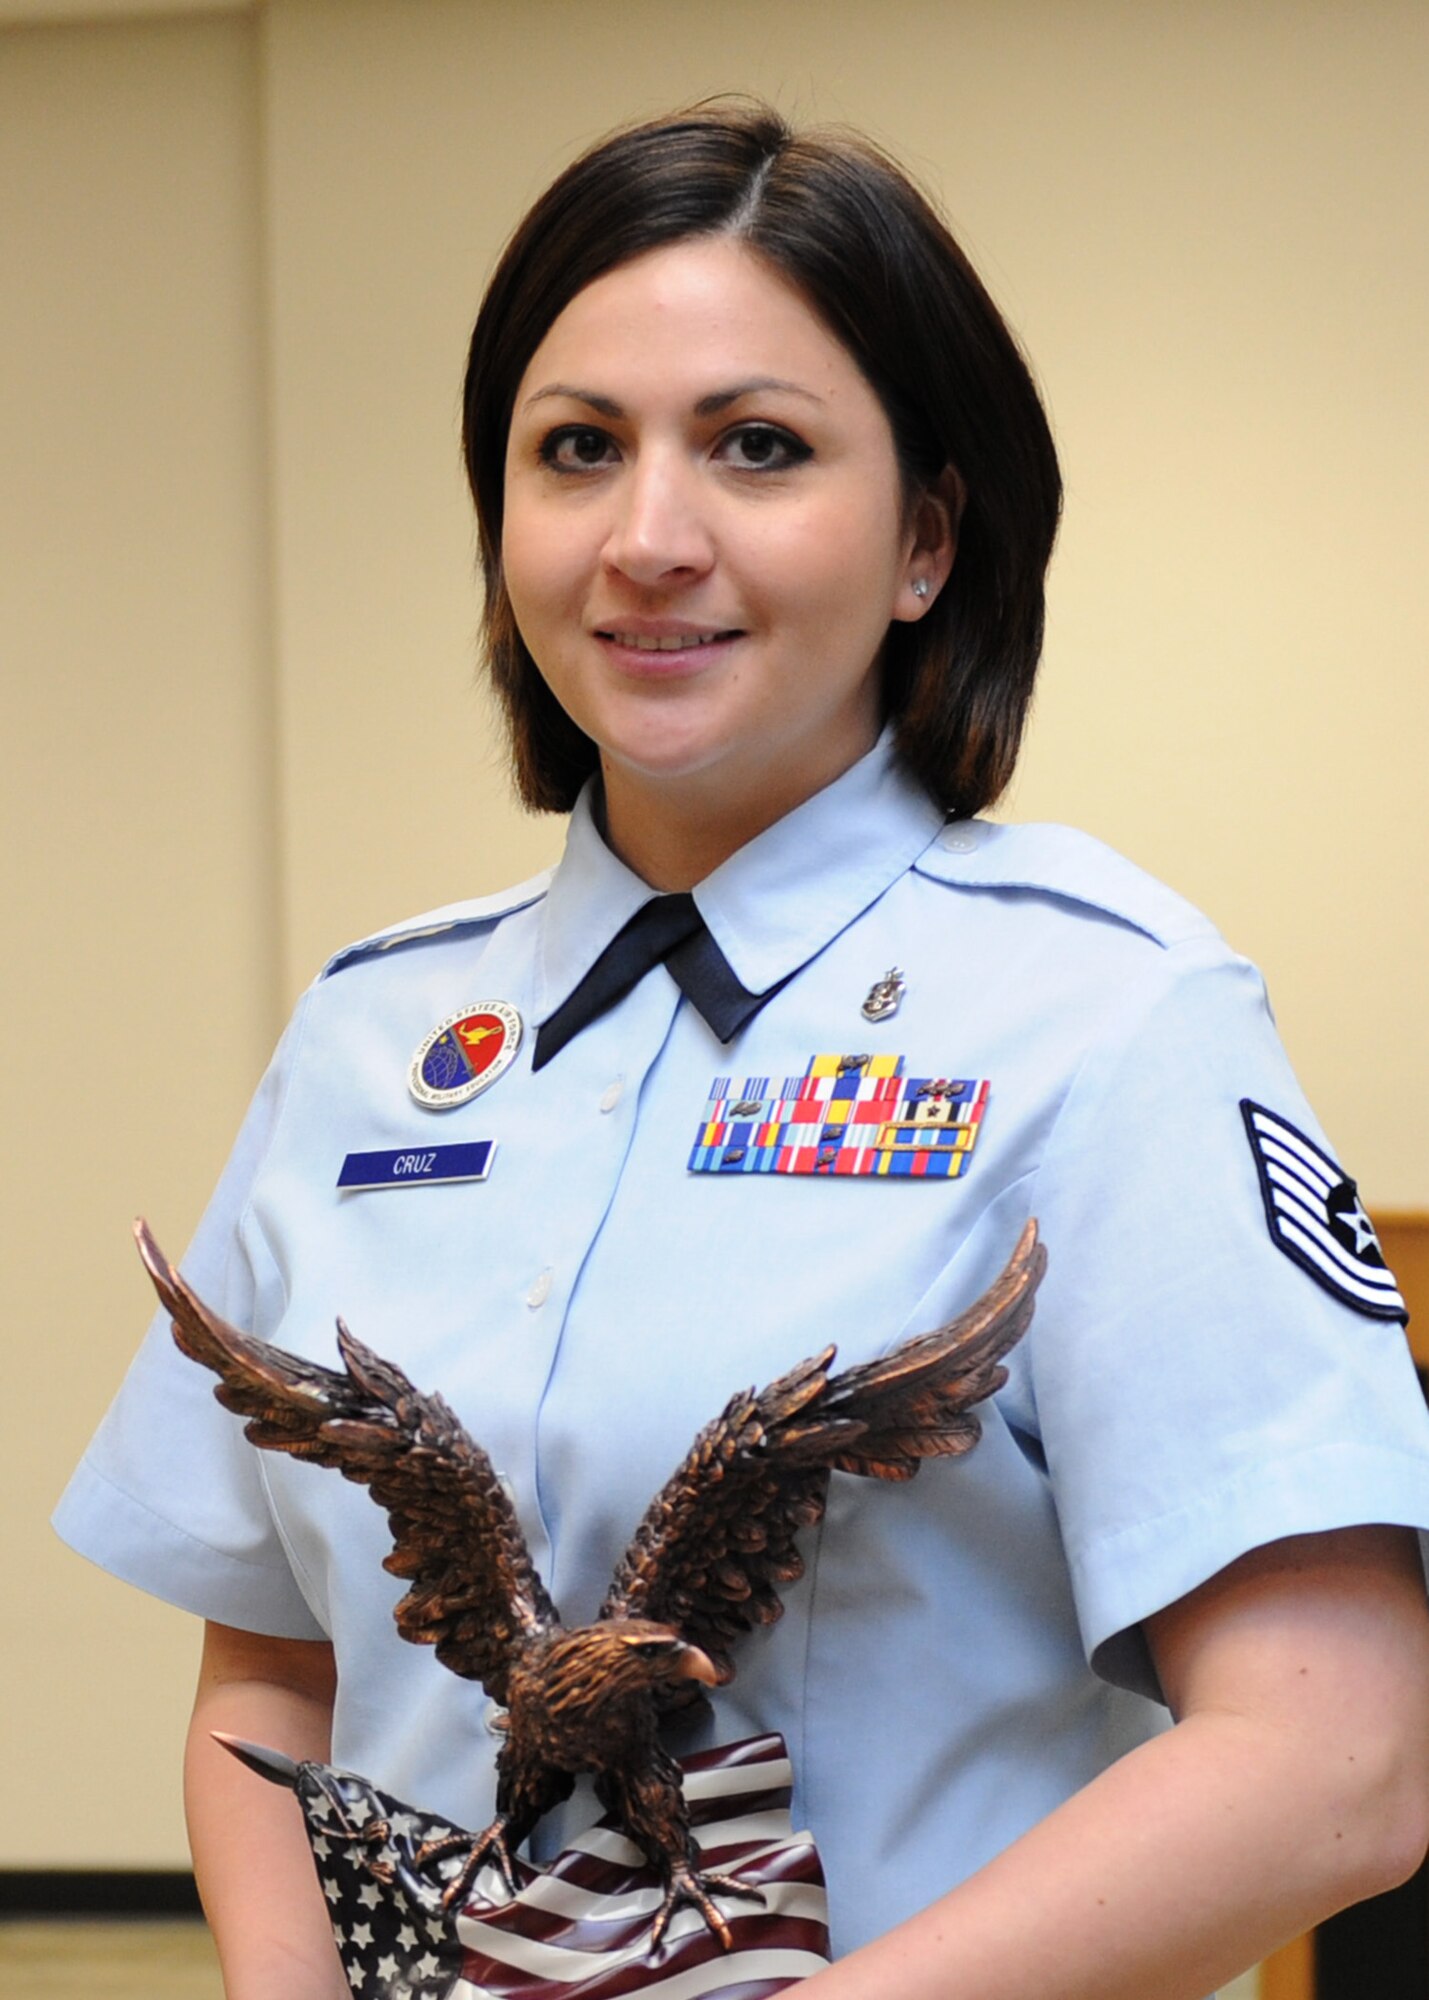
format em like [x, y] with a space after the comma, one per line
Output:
[665, 652]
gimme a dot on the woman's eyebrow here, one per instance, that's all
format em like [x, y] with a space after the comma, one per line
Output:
[707, 406]
[605, 405]
[710, 406]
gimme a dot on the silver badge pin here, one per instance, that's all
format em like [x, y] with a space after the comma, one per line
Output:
[884, 996]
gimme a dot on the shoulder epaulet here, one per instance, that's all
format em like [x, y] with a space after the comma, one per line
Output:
[438, 923]
[1059, 861]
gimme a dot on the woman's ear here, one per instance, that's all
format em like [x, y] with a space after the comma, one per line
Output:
[935, 516]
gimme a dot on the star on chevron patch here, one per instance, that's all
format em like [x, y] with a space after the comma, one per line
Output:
[1316, 1216]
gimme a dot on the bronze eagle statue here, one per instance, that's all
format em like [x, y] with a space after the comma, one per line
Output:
[705, 1564]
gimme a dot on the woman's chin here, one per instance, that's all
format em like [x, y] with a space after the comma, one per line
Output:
[665, 767]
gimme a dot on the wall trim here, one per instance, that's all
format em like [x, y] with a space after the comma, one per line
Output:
[98, 1892]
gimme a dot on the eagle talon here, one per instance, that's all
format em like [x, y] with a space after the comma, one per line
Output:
[487, 1847]
[693, 1886]
[374, 1835]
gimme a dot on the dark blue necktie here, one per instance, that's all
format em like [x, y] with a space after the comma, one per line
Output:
[667, 930]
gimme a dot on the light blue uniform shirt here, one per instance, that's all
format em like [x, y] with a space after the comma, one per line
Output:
[962, 1652]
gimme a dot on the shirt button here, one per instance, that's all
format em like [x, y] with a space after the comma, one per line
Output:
[611, 1095]
[960, 840]
[540, 1291]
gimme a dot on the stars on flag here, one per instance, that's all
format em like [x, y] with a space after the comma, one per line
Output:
[393, 1937]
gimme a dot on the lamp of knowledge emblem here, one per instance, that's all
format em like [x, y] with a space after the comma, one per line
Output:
[464, 1055]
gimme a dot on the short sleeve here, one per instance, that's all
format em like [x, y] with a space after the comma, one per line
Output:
[1199, 1392]
[170, 1496]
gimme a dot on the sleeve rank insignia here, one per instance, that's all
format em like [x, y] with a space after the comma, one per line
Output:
[1316, 1217]
[856, 1114]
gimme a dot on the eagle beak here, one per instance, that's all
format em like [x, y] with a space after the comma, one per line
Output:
[693, 1665]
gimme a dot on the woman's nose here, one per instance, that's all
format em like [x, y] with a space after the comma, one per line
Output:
[659, 529]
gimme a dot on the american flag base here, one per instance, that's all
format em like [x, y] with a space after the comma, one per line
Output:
[580, 1928]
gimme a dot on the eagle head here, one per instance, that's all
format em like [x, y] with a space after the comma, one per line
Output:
[595, 1665]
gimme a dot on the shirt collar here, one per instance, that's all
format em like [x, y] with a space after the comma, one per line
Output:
[772, 905]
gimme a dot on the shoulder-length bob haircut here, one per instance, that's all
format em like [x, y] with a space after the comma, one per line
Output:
[841, 222]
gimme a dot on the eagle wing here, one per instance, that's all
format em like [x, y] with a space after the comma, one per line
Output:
[719, 1538]
[474, 1594]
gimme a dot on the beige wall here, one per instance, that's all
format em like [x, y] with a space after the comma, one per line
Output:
[238, 605]
[140, 987]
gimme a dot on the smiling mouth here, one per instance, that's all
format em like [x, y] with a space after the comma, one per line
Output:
[671, 642]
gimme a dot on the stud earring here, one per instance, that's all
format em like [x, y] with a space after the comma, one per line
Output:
[920, 586]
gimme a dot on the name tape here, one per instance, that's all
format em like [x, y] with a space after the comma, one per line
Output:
[418, 1166]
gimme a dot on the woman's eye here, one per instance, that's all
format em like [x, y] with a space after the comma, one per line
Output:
[763, 448]
[576, 448]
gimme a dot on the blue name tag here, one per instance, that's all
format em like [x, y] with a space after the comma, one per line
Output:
[416, 1166]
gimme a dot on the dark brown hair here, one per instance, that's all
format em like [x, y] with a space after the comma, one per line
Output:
[841, 221]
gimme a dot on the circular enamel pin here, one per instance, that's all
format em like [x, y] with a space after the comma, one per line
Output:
[463, 1055]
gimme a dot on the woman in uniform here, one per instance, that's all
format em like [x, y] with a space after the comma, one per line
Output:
[787, 1049]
